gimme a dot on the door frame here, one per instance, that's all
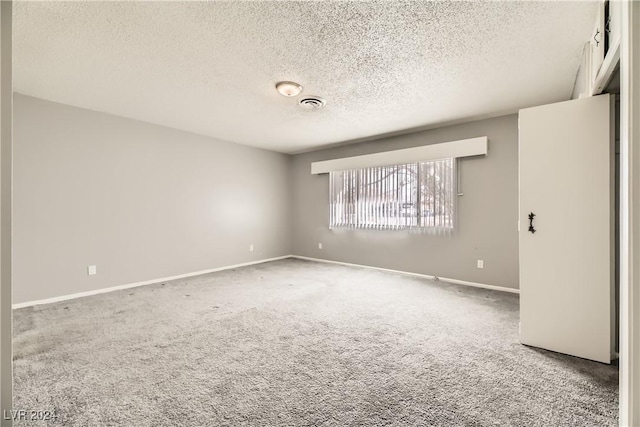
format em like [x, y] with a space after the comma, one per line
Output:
[630, 215]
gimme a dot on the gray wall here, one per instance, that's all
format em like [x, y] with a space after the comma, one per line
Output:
[487, 212]
[140, 201]
[6, 217]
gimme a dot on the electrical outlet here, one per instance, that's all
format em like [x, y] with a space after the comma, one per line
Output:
[480, 263]
[92, 270]
[319, 245]
[250, 248]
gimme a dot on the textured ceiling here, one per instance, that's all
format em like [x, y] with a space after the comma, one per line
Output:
[211, 67]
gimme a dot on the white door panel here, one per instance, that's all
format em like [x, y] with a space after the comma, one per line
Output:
[565, 266]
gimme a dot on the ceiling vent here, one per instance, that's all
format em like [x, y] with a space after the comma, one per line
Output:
[312, 102]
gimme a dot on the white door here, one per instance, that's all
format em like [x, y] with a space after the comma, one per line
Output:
[566, 265]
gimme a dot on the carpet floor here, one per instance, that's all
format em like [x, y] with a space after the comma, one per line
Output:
[299, 343]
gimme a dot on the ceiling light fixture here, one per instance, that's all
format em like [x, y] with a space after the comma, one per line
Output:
[289, 89]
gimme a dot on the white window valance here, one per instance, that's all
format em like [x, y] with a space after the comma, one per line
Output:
[454, 149]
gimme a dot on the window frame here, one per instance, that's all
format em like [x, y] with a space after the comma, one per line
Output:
[355, 218]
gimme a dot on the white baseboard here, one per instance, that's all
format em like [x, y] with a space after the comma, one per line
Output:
[426, 276]
[228, 267]
[134, 285]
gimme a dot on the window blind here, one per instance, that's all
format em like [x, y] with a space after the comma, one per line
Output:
[417, 196]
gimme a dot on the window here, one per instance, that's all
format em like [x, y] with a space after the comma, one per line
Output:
[414, 195]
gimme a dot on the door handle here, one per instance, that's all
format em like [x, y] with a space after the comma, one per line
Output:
[531, 228]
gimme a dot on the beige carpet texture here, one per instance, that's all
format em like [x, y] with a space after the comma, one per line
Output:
[299, 343]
